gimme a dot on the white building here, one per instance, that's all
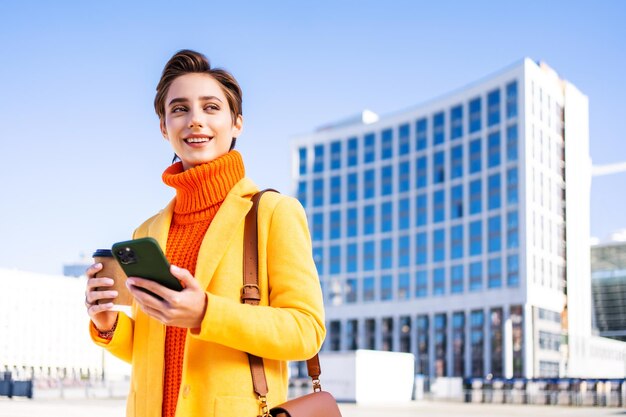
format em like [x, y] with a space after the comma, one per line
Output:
[44, 329]
[459, 230]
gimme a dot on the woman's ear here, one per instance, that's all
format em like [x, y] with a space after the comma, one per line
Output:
[163, 129]
[238, 126]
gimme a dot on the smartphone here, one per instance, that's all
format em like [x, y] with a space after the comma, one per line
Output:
[144, 258]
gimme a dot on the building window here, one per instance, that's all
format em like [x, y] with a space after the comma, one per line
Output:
[405, 334]
[475, 122]
[511, 186]
[456, 242]
[368, 289]
[439, 205]
[404, 282]
[438, 129]
[370, 334]
[421, 210]
[439, 170]
[493, 141]
[511, 143]
[386, 217]
[318, 192]
[456, 162]
[476, 197]
[495, 273]
[497, 345]
[386, 253]
[335, 155]
[511, 100]
[335, 260]
[421, 174]
[302, 191]
[421, 284]
[386, 151]
[318, 258]
[369, 217]
[369, 184]
[386, 180]
[456, 202]
[404, 139]
[386, 288]
[549, 341]
[369, 255]
[476, 237]
[404, 251]
[439, 281]
[475, 162]
[421, 134]
[517, 324]
[353, 187]
[441, 345]
[335, 190]
[352, 257]
[369, 148]
[404, 177]
[353, 222]
[335, 335]
[548, 369]
[456, 122]
[439, 245]
[512, 265]
[404, 214]
[458, 344]
[456, 279]
[477, 337]
[318, 227]
[494, 192]
[353, 152]
[387, 334]
[318, 161]
[493, 108]
[421, 248]
[352, 334]
[494, 234]
[335, 224]
[302, 152]
[423, 330]
[476, 276]
[512, 235]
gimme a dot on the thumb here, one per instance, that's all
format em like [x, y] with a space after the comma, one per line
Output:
[186, 279]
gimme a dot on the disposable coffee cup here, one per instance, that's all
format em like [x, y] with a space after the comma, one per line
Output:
[111, 269]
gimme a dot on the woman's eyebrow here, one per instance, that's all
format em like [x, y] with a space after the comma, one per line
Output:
[206, 98]
[178, 100]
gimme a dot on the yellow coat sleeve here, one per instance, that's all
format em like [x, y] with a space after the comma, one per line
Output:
[291, 327]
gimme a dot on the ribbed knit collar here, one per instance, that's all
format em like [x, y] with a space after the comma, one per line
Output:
[200, 188]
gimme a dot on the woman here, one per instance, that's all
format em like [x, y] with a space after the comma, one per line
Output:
[189, 351]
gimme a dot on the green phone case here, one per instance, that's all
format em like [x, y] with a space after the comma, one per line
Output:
[144, 258]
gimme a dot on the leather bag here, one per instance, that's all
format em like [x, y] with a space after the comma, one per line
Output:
[317, 404]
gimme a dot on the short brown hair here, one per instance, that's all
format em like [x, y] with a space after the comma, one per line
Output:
[187, 61]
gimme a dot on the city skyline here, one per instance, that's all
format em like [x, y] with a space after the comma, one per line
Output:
[77, 119]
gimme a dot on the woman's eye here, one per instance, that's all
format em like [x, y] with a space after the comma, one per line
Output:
[212, 107]
[178, 109]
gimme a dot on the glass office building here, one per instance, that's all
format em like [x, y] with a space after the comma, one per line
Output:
[608, 283]
[452, 230]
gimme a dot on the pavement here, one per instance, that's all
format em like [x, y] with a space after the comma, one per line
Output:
[21, 407]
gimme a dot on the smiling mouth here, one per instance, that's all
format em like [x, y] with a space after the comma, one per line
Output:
[197, 140]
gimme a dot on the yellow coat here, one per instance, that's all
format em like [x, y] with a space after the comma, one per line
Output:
[287, 325]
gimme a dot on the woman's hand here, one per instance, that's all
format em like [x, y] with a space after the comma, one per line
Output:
[100, 314]
[184, 308]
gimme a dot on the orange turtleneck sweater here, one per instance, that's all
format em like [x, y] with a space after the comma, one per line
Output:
[200, 192]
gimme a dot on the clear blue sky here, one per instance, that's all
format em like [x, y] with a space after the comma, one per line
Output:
[82, 153]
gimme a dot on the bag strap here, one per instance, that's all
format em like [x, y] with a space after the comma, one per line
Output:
[251, 294]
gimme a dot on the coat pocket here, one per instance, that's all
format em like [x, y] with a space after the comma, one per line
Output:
[236, 407]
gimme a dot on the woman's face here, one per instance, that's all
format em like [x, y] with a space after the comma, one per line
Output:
[197, 122]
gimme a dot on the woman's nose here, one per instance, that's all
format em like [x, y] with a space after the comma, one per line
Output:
[195, 119]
